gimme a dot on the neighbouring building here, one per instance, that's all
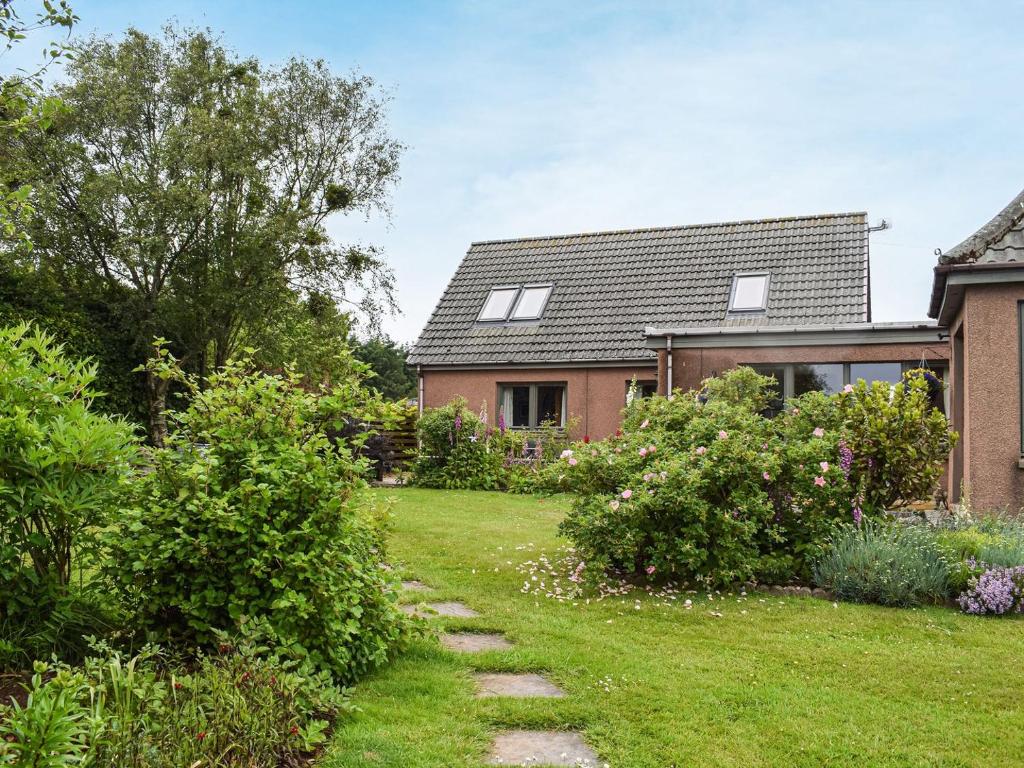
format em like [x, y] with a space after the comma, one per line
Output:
[978, 294]
[555, 329]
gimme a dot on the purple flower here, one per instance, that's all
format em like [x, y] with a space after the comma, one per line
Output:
[501, 422]
[857, 515]
[458, 422]
[997, 591]
[845, 458]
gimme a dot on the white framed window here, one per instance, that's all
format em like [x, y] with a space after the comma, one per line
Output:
[528, 406]
[749, 292]
[531, 302]
[498, 303]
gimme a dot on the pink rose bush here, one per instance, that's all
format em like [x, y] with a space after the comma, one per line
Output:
[705, 487]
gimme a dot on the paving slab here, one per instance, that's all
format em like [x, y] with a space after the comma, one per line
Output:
[429, 610]
[519, 686]
[474, 642]
[414, 586]
[540, 748]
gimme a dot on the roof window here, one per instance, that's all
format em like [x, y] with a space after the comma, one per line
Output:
[749, 292]
[515, 302]
[499, 302]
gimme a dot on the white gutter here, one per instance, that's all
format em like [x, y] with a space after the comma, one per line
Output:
[419, 400]
[668, 365]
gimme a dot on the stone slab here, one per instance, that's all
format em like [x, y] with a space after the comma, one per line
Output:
[474, 642]
[429, 610]
[541, 748]
[519, 686]
[414, 586]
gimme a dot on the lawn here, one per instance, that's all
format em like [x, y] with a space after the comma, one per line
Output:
[768, 682]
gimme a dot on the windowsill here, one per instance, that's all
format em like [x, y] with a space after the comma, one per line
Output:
[1020, 463]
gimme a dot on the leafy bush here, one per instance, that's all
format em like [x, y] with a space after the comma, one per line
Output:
[237, 708]
[457, 450]
[62, 468]
[251, 512]
[899, 565]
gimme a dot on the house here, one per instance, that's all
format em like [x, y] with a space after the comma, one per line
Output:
[978, 294]
[555, 329]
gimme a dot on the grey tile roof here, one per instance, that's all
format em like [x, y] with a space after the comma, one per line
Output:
[608, 286]
[999, 242]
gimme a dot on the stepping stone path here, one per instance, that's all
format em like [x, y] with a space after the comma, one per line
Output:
[533, 748]
[429, 610]
[542, 748]
[473, 642]
[517, 686]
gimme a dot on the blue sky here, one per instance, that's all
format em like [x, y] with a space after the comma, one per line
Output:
[527, 118]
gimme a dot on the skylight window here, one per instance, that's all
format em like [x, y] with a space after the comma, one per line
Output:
[749, 293]
[499, 302]
[531, 302]
[515, 302]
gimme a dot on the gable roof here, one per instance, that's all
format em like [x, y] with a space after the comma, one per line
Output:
[608, 286]
[998, 244]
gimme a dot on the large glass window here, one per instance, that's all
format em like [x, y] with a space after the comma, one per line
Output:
[797, 378]
[528, 406]
[827, 377]
[890, 372]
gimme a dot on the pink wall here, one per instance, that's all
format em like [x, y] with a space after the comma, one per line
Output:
[595, 395]
[991, 397]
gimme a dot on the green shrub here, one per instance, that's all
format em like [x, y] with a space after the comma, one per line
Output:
[63, 467]
[237, 708]
[251, 512]
[456, 450]
[898, 565]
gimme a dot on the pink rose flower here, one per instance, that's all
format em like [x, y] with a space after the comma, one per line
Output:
[722, 434]
[614, 504]
[819, 432]
[766, 476]
[824, 466]
[652, 448]
[701, 450]
[644, 425]
[566, 453]
[643, 451]
[848, 389]
[627, 493]
[572, 462]
[650, 570]
[819, 481]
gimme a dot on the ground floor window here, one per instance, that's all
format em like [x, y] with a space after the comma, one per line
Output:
[528, 406]
[795, 379]
[636, 388]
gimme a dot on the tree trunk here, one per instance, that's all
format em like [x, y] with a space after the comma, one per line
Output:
[156, 390]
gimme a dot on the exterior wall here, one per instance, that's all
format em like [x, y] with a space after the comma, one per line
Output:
[596, 396]
[691, 366]
[991, 429]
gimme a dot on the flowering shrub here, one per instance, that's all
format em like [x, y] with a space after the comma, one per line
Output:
[996, 591]
[458, 449]
[704, 486]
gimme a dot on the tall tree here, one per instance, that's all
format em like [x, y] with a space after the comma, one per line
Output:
[392, 375]
[23, 107]
[202, 182]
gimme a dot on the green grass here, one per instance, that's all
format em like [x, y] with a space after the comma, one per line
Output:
[771, 682]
